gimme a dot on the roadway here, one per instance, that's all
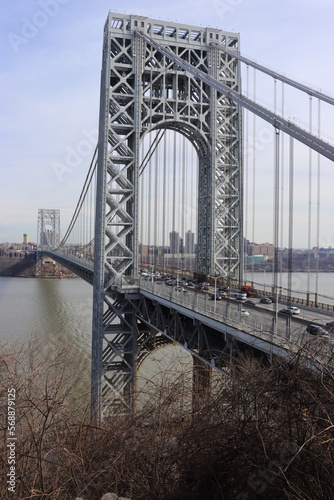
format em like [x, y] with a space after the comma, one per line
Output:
[230, 308]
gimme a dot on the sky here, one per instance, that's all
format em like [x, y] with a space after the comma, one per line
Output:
[50, 62]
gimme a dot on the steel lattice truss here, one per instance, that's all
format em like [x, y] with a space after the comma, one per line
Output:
[48, 233]
[142, 89]
[191, 334]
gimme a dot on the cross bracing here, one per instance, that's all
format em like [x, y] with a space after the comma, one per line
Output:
[155, 78]
[278, 122]
[142, 90]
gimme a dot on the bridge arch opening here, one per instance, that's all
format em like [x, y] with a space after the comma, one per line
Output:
[168, 200]
[166, 370]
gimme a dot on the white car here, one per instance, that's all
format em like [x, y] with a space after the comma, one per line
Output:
[244, 312]
[294, 310]
[241, 296]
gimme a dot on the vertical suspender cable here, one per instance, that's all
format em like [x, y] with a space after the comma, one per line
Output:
[290, 242]
[309, 208]
[149, 207]
[90, 217]
[318, 215]
[282, 193]
[155, 214]
[276, 197]
[91, 190]
[173, 239]
[85, 225]
[168, 201]
[140, 204]
[246, 173]
[276, 223]
[80, 231]
[184, 156]
[164, 182]
[253, 211]
[179, 200]
[193, 189]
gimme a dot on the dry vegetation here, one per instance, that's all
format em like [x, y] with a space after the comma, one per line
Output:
[266, 434]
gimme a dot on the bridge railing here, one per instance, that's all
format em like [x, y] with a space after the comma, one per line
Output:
[300, 301]
[229, 314]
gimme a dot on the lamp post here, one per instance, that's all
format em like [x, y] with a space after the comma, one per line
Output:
[215, 277]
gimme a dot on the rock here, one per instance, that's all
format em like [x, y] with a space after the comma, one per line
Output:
[109, 496]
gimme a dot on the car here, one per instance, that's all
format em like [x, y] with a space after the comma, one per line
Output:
[294, 310]
[223, 288]
[250, 302]
[244, 312]
[212, 296]
[241, 296]
[206, 287]
[330, 324]
[286, 311]
[266, 300]
[222, 294]
[316, 330]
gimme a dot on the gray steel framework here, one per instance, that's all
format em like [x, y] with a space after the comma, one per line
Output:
[48, 233]
[277, 76]
[143, 90]
[212, 349]
[278, 122]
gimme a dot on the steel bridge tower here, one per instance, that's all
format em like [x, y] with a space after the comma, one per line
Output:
[48, 234]
[142, 90]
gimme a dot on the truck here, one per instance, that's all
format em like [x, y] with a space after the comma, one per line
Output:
[248, 290]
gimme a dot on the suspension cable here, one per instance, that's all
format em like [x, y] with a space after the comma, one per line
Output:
[83, 193]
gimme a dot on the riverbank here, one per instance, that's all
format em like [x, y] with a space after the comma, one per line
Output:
[14, 267]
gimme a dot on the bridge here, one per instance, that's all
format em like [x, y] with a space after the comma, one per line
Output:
[167, 191]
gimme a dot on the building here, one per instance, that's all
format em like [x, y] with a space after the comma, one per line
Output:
[190, 242]
[266, 249]
[174, 242]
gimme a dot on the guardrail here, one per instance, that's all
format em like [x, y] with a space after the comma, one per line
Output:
[227, 313]
[289, 340]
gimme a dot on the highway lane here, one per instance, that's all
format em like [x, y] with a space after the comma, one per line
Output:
[230, 307]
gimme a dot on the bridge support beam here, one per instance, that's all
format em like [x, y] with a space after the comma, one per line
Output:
[143, 90]
[114, 352]
[48, 235]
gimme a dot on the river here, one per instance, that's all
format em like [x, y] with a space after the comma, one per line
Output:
[299, 284]
[59, 311]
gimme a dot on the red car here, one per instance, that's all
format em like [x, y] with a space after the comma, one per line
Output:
[206, 287]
